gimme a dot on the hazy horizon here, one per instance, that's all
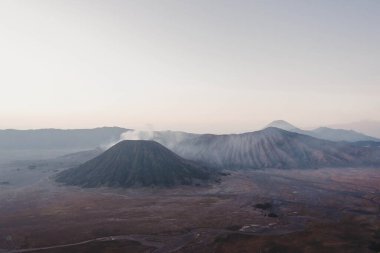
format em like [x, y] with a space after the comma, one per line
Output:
[369, 128]
[195, 66]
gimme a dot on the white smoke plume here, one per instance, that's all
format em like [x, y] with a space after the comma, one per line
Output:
[171, 139]
[135, 134]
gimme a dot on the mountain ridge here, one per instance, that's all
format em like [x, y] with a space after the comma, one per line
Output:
[59, 138]
[272, 148]
[325, 133]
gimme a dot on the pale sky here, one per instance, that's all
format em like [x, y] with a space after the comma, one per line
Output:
[198, 66]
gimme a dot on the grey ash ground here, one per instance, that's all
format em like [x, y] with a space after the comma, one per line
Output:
[139, 196]
[325, 210]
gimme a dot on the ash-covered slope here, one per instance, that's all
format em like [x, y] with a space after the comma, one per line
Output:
[135, 163]
[273, 148]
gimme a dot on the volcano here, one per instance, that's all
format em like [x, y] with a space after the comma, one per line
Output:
[273, 148]
[136, 163]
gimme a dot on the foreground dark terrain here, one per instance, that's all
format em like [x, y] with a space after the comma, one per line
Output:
[324, 210]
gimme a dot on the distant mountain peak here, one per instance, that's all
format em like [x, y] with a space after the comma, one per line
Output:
[340, 135]
[282, 124]
[324, 133]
